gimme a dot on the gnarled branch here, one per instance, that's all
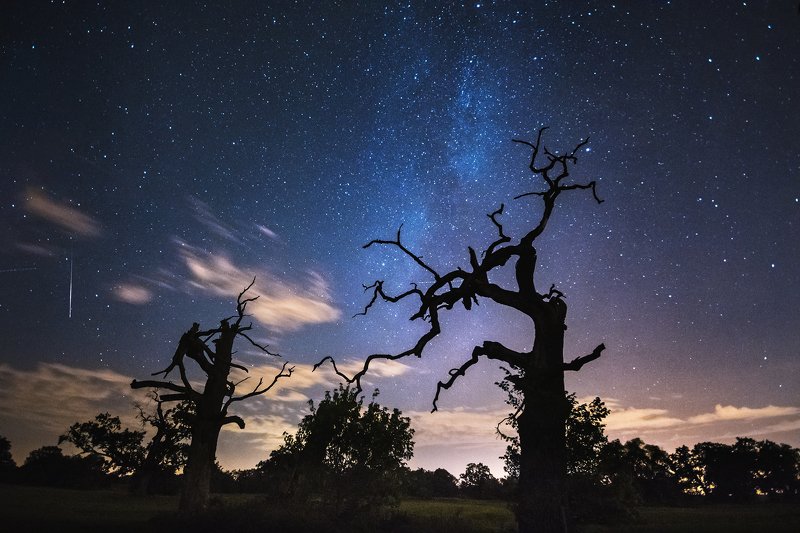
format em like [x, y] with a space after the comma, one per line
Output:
[578, 362]
[258, 389]
[492, 350]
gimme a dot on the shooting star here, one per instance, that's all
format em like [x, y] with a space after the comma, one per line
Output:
[70, 283]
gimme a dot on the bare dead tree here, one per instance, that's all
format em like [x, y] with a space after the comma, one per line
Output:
[210, 405]
[537, 374]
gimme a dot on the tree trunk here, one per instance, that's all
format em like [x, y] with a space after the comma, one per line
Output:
[541, 425]
[199, 465]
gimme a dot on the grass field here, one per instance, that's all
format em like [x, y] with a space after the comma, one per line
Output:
[42, 509]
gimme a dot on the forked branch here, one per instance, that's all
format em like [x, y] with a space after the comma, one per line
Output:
[417, 259]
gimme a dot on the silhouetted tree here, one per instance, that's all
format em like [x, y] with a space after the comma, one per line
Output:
[421, 483]
[120, 450]
[210, 406]
[50, 467]
[353, 455]
[728, 470]
[477, 481]
[7, 465]
[777, 470]
[167, 451]
[689, 471]
[640, 472]
[538, 372]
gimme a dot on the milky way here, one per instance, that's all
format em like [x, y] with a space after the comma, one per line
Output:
[155, 158]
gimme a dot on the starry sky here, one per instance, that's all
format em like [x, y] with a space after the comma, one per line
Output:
[155, 158]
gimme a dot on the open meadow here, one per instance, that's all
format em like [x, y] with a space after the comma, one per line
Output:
[39, 509]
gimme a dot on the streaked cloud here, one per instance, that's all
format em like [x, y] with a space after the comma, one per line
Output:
[283, 305]
[61, 214]
[729, 412]
[633, 418]
[204, 215]
[268, 232]
[38, 404]
[622, 419]
[53, 396]
[462, 427]
[36, 249]
[133, 294]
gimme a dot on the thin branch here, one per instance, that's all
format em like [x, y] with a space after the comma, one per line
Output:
[415, 350]
[523, 195]
[284, 373]
[257, 345]
[502, 237]
[591, 185]
[509, 420]
[417, 259]
[378, 291]
[241, 305]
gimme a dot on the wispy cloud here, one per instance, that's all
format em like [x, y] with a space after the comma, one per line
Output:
[636, 418]
[65, 216]
[39, 404]
[204, 215]
[283, 305]
[133, 294]
[729, 412]
[462, 427]
[268, 232]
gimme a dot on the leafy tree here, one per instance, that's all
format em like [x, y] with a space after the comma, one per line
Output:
[209, 406]
[7, 465]
[728, 470]
[353, 454]
[119, 449]
[477, 481]
[689, 472]
[49, 466]
[640, 472]
[421, 483]
[584, 435]
[539, 370]
[777, 471]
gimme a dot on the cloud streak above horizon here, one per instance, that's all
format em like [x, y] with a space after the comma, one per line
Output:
[282, 305]
[62, 215]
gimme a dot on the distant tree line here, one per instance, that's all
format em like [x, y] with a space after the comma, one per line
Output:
[347, 456]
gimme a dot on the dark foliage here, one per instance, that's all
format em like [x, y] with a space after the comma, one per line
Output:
[48, 466]
[167, 451]
[120, 451]
[344, 454]
[478, 482]
[8, 468]
[584, 435]
[740, 471]
[421, 483]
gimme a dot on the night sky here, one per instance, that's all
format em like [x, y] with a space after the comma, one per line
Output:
[155, 158]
